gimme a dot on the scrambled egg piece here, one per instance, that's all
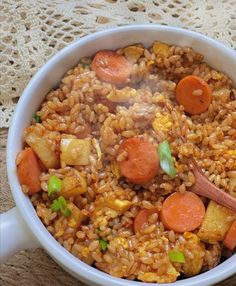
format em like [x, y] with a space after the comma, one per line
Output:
[161, 122]
[193, 265]
[170, 275]
[118, 205]
[161, 49]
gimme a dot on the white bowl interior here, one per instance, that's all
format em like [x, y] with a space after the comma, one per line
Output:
[48, 77]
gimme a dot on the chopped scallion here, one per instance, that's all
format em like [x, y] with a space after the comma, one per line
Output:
[103, 244]
[60, 204]
[166, 160]
[176, 256]
[54, 185]
[37, 119]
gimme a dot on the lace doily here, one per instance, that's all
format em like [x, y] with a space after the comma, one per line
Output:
[33, 30]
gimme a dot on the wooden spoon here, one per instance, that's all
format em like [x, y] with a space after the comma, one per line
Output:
[205, 188]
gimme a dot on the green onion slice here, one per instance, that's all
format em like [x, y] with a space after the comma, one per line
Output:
[37, 119]
[103, 244]
[54, 185]
[166, 160]
[176, 256]
[60, 204]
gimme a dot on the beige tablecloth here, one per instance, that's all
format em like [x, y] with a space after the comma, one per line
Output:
[32, 31]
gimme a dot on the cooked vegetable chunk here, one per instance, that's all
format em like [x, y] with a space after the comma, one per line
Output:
[216, 223]
[54, 185]
[73, 186]
[141, 162]
[230, 238]
[182, 212]
[60, 204]
[43, 149]
[28, 171]
[75, 151]
[166, 160]
[176, 256]
[111, 67]
[194, 94]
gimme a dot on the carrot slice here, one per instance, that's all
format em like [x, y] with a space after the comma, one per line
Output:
[230, 237]
[111, 67]
[182, 212]
[141, 163]
[29, 170]
[142, 218]
[194, 94]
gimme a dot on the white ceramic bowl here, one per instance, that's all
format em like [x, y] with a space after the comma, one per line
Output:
[20, 227]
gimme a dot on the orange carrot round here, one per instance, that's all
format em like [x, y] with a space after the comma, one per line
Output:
[111, 67]
[142, 218]
[230, 237]
[141, 162]
[29, 170]
[182, 212]
[194, 94]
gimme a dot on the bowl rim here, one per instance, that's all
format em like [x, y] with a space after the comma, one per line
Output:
[63, 257]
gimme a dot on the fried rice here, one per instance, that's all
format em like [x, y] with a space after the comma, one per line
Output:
[79, 108]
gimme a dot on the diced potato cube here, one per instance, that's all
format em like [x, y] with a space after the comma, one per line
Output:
[43, 149]
[193, 264]
[215, 224]
[119, 205]
[133, 52]
[73, 186]
[161, 49]
[76, 217]
[161, 122]
[122, 95]
[75, 151]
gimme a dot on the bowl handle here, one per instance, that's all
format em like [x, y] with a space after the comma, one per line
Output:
[14, 235]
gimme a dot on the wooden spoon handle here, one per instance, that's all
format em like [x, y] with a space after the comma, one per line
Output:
[205, 188]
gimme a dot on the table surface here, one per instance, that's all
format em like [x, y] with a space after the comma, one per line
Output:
[33, 30]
